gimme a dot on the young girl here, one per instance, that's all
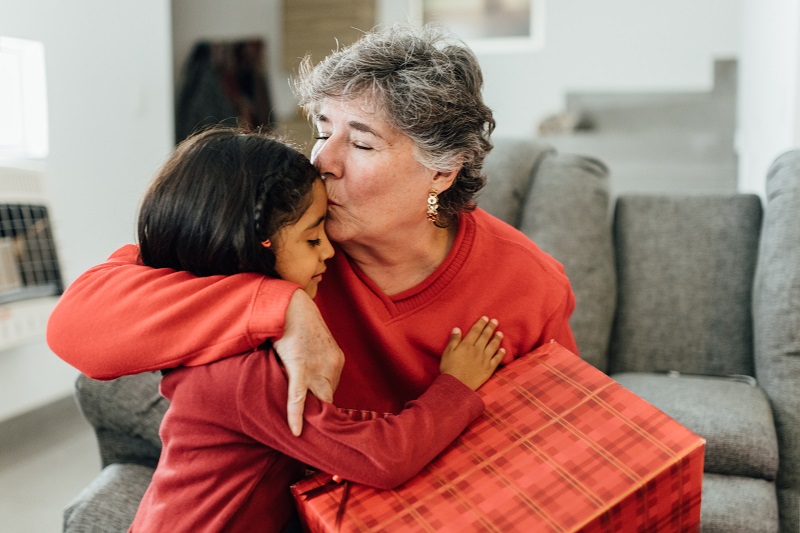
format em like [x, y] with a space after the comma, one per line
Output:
[228, 202]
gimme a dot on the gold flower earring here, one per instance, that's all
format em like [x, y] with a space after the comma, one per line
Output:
[433, 205]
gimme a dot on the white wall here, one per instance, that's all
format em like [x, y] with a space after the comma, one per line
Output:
[769, 88]
[109, 89]
[634, 45]
[110, 68]
[613, 45]
[625, 45]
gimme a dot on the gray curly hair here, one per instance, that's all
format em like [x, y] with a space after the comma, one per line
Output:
[427, 84]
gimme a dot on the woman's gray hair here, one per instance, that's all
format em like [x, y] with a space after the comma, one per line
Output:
[427, 84]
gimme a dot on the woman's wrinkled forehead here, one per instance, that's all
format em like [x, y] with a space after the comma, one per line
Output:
[362, 113]
[364, 102]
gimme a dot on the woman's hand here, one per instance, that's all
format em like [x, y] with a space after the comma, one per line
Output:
[473, 359]
[311, 357]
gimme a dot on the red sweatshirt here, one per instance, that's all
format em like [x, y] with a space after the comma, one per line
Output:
[392, 344]
[226, 462]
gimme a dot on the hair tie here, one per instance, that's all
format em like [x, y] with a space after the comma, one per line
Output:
[266, 243]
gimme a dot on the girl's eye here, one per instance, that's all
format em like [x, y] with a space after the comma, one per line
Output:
[315, 242]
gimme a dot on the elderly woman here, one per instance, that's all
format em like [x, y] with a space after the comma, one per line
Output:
[402, 133]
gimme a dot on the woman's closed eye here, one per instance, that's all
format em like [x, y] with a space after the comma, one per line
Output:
[356, 144]
[315, 242]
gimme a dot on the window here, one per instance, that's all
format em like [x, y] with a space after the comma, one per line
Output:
[23, 102]
[30, 279]
[489, 25]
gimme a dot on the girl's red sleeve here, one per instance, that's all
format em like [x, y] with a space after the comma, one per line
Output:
[111, 320]
[380, 451]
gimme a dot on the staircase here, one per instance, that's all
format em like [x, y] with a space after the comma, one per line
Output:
[663, 143]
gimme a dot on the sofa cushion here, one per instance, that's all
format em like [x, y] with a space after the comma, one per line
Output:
[567, 215]
[685, 268]
[509, 168]
[110, 502]
[733, 416]
[739, 504]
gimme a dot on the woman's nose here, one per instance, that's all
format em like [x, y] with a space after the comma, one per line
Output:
[326, 158]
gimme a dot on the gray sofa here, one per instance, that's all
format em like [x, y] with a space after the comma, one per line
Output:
[692, 302]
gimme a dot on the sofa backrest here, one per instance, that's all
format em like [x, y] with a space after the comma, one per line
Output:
[561, 201]
[776, 320]
[685, 267]
[567, 215]
[509, 170]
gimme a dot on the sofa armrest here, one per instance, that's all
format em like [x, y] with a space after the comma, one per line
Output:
[110, 502]
[126, 414]
[776, 323]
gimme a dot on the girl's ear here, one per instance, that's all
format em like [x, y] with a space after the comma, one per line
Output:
[444, 179]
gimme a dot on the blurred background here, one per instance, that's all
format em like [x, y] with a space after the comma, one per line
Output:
[679, 96]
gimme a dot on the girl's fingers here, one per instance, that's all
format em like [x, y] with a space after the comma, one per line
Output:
[488, 331]
[475, 331]
[494, 343]
[497, 358]
[455, 338]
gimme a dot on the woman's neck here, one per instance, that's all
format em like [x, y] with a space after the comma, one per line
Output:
[400, 264]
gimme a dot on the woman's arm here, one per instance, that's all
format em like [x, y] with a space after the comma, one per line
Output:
[124, 318]
[312, 359]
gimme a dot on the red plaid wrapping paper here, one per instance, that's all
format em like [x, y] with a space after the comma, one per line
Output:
[559, 447]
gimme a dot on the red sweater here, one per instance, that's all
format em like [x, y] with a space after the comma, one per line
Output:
[226, 463]
[392, 344]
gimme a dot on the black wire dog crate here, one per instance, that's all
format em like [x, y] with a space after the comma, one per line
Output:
[30, 276]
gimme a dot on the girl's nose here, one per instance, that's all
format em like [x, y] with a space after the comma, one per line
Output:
[326, 248]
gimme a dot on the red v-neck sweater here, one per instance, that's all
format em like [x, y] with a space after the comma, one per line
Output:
[228, 457]
[392, 344]
[122, 318]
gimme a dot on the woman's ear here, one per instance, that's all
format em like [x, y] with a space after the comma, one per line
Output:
[444, 179]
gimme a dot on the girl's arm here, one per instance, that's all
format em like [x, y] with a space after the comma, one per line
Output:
[111, 320]
[385, 451]
[388, 451]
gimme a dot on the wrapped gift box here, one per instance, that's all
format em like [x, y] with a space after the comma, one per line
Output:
[559, 447]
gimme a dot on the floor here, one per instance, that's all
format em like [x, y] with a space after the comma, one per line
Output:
[45, 460]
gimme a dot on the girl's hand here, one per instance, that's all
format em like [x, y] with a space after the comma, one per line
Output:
[473, 359]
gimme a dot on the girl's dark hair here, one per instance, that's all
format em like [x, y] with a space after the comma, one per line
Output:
[219, 195]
